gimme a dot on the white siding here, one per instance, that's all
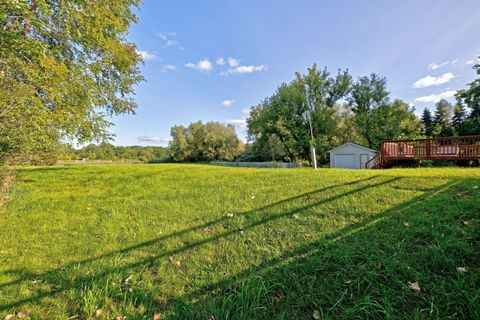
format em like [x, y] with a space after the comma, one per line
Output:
[350, 156]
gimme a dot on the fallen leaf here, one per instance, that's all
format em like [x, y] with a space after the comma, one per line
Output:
[406, 224]
[461, 269]
[253, 197]
[170, 258]
[23, 314]
[8, 317]
[178, 264]
[347, 282]
[230, 215]
[414, 286]
[317, 315]
[98, 312]
[157, 316]
[295, 216]
[465, 222]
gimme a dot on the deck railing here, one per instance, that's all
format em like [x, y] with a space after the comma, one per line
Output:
[447, 148]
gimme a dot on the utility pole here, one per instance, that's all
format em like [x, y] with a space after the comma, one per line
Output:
[312, 141]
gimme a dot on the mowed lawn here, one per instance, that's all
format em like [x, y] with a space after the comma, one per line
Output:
[205, 242]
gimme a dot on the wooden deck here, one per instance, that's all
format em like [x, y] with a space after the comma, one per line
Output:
[447, 148]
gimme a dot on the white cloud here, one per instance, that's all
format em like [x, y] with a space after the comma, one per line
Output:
[162, 36]
[430, 81]
[232, 62]
[228, 103]
[246, 110]
[202, 65]
[434, 98]
[241, 123]
[171, 43]
[153, 140]
[244, 69]
[147, 56]
[470, 61]
[168, 67]
[435, 66]
[167, 38]
[220, 61]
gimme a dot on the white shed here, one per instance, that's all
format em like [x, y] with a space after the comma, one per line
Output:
[350, 155]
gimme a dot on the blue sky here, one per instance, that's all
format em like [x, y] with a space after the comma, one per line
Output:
[425, 49]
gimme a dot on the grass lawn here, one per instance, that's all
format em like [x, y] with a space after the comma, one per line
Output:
[205, 242]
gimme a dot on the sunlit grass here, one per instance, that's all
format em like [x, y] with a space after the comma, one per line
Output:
[197, 241]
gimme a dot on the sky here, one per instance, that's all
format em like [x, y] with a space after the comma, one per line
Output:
[212, 60]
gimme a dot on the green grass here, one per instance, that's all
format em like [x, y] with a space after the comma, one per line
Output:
[205, 242]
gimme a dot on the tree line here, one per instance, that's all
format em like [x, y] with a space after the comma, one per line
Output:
[62, 74]
[108, 152]
[324, 110]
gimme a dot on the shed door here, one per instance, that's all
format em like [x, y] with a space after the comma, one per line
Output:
[345, 161]
[363, 160]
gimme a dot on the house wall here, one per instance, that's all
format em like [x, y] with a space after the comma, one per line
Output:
[350, 150]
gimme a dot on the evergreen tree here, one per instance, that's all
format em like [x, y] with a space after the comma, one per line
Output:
[427, 121]
[443, 119]
[459, 116]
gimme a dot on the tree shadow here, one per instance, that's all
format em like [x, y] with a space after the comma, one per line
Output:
[362, 271]
[315, 273]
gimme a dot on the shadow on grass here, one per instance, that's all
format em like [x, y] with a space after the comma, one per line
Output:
[358, 271]
[25, 276]
[362, 271]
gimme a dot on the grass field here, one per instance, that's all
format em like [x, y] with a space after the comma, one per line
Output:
[204, 242]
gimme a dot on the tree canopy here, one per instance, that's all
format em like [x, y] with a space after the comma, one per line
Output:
[205, 142]
[64, 65]
[280, 123]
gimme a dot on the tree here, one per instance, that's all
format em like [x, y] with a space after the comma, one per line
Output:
[320, 93]
[64, 66]
[205, 142]
[368, 94]
[396, 120]
[459, 116]
[298, 111]
[471, 97]
[443, 119]
[427, 121]
[346, 130]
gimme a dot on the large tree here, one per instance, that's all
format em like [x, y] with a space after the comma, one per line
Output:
[368, 94]
[443, 119]
[205, 142]
[427, 121]
[65, 65]
[297, 111]
[395, 120]
[459, 116]
[471, 97]
[320, 92]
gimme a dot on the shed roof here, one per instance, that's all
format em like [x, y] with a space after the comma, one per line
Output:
[352, 144]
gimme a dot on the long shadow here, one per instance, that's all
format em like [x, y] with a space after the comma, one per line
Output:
[185, 231]
[64, 284]
[355, 272]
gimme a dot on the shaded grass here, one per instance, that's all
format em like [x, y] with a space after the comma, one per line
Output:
[137, 239]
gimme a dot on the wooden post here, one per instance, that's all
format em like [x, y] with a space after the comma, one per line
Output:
[427, 148]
